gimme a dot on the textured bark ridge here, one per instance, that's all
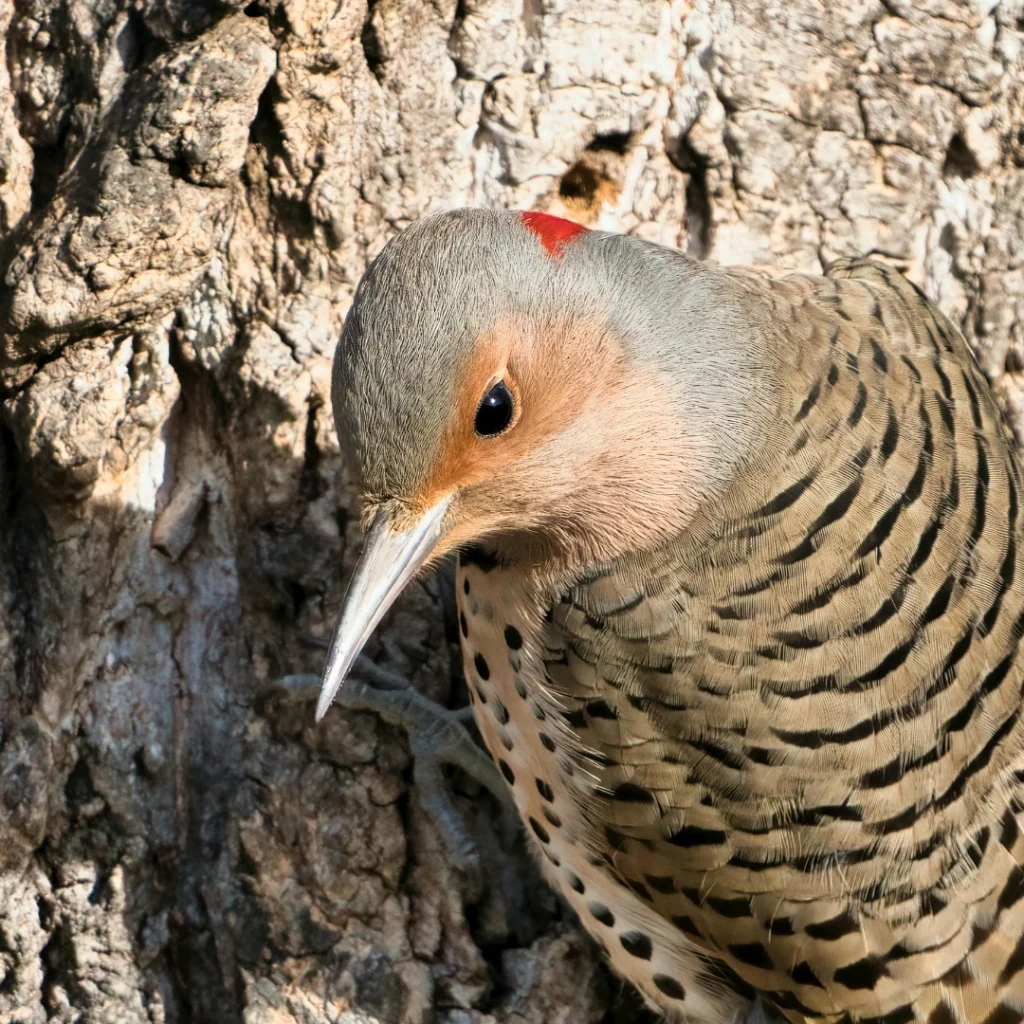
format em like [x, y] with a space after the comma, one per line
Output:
[189, 191]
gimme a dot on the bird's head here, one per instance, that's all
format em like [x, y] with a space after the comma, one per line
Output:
[569, 395]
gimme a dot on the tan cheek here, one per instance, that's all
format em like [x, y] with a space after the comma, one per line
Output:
[556, 375]
[627, 467]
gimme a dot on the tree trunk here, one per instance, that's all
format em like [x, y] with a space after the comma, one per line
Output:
[189, 192]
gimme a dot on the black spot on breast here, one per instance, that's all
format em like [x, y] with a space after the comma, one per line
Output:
[946, 412]
[862, 974]
[463, 625]
[513, 638]
[520, 687]
[547, 741]
[694, 835]
[879, 356]
[616, 840]
[540, 831]
[506, 741]
[661, 883]
[809, 402]
[601, 709]
[640, 889]
[730, 907]
[803, 550]
[799, 640]
[803, 975]
[601, 913]
[669, 986]
[753, 954]
[575, 719]
[1015, 964]
[500, 712]
[553, 819]
[510, 776]
[629, 792]
[465, 585]
[685, 924]
[914, 371]
[636, 944]
[575, 882]
[1013, 891]
[545, 790]
[837, 508]
[891, 436]
[858, 406]
[483, 669]
[481, 695]
[1008, 831]
[787, 497]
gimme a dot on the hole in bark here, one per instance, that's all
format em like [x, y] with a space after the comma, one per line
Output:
[947, 239]
[253, 10]
[101, 891]
[612, 142]
[372, 49]
[960, 161]
[379, 989]
[47, 165]
[698, 202]
[24, 545]
[311, 485]
[137, 45]
[44, 908]
[59, 960]
[178, 168]
[265, 133]
[596, 177]
[8, 979]
[579, 182]
[79, 790]
[297, 594]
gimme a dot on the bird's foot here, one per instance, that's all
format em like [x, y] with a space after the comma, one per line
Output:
[437, 736]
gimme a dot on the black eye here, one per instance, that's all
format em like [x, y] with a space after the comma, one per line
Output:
[495, 411]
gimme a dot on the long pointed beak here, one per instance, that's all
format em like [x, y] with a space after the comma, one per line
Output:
[389, 560]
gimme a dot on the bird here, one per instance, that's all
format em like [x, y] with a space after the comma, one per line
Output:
[740, 603]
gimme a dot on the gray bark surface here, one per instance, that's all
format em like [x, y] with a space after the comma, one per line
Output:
[189, 192]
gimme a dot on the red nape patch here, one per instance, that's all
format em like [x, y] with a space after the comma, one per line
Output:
[554, 232]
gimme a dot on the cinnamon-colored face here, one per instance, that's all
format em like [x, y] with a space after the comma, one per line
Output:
[553, 374]
[585, 429]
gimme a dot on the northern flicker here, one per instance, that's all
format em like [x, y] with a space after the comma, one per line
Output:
[740, 603]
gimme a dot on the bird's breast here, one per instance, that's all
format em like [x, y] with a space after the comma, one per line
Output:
[529, 734]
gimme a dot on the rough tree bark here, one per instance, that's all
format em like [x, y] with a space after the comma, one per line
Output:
[188, 193]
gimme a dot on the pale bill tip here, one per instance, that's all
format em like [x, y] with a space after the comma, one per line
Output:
[388, 561]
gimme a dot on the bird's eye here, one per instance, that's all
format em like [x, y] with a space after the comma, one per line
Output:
[494, 413]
